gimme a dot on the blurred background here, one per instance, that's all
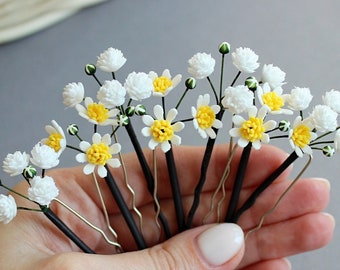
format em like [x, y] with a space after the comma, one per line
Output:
[46, 44]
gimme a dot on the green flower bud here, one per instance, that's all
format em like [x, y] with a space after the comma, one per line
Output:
[140, 109]
[284, 125]
[72, 129]
[252, 83]
[328, 151]
[129, 111]
[29, 172]
[224, 48]
[90, 69]
[123, 120]
[190, 83]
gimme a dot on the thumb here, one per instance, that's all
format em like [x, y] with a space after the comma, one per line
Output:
[206, 247]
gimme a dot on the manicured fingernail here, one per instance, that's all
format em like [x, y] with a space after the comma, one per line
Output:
[220, 243]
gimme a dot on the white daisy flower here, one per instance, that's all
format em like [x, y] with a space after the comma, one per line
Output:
[337, 141]
[201, 65]
[110, 60]
[14, 164]
[42, 190]
[252, 130]
[164, 84]
[139, 85]
[332, 99]
[273, 99]
[237, 99]
[301, 135]
[99, 154]
[161, 130]
[111, 94]
[299, 98]
[205, 117]
[44, 156]
[245, 60]
[8, 208]
[324, 119]
[73, 94]
[96, 113]
[273, 75]
[56, 139]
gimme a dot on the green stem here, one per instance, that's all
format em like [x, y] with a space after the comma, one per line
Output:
[74, 148]
[221, 76]
[235, 79]
[181, 99]
[214, 91]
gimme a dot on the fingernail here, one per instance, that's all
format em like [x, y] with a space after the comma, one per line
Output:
[324, 181]
[220, 243]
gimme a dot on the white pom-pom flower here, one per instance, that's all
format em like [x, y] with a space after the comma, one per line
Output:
[205, 117]
[42, 190]
[110, 60]
[111, 94]
[332, 99]
[323, 118]
[245, 60]
[164, 84]
[138, 85]
[44, 156]
[201, 65]
[273, 75]
[14, 164]
[237, 99]
[299, 98]
[56, 138]
[162, 130]
[73, 94]
[8, 208]
[98, 154]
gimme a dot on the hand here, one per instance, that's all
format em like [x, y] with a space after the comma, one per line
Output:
[31, 241]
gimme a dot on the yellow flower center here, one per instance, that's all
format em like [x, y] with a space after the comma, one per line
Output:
[205, 117]
[301, 136]
[162, 130]
[97, 112]
[252, 129]
[98, 154]
[161, 84]
[273, 101]
[53, 141]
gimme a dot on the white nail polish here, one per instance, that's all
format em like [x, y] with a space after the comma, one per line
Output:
[220, 243]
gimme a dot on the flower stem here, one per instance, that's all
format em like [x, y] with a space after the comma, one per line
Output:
[66, 230]
[147, 173]
[213, 89]
[124, 210]
[176, 191]
[262, 187]
[181, 99]
[241, 171]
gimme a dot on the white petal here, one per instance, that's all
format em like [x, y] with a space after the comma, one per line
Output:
[242, 142]
[106, 139]
[202, 133]
[265, 138]
[83, 145]
[81, 158]
[252, 111]
[96, 138]
[217, 124]
[178, 126]
[215, 108]
[193, 111]
[176, 80]
[269, 125]
[147, 120]
[115, 148]
[171, 115]
[176, 140]
[102, 172]
[238, 120]
[88, 101]
[211, 133]
[146, 131]
[158, 112]
[234, 132]
[89, 168]
[256, 145]
[165, 146]
[113, 162]
[262, 112]
[152, 144]
[153, 75]
[166, 73]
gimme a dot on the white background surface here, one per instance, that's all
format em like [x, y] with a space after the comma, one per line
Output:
[301, 37]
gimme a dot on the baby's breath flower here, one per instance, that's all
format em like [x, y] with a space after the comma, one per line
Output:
[111, 60]
[205, 117]
[164, 84]
[237, 99]
[111, 94]
[252, 130]
[8, 208]
[323, 118]
[73, 94]
[99, 153]
[161, 130]
[44, 156]
[96, 113]
[299, 98]
[56, 139]
[301, 135]
[337, 141]
[42, 190]
[273, 99]
[332, 99]
[139, 85]
[245, 60]
[201, 65]
[273, 75]
[14, 164]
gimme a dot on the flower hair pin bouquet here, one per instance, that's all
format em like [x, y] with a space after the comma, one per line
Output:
[252, 112]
